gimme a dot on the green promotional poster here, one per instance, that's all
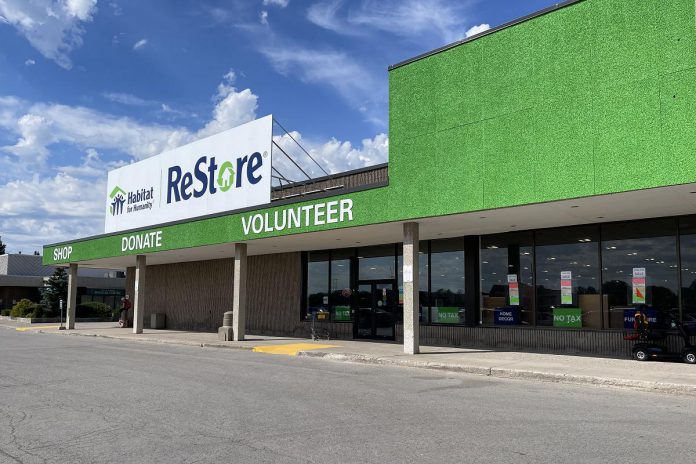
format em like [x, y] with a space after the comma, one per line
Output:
[446, 315]
[341, 313]
[566, 287]
[513, 289]
[567, 317]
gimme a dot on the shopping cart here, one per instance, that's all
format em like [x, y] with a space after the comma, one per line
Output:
[320, 325]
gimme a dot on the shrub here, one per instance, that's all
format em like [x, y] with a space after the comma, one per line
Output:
[5, 312]
[26, 308]
[93, 309]
[37, 312]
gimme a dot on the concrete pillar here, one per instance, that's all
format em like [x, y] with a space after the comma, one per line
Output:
[411, 289]
[72, 297]
[139, 297]
[240, 287]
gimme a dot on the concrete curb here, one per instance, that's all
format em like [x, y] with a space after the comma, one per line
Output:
[642, 385]
[51, 320]
[156, 341]
[504, 373]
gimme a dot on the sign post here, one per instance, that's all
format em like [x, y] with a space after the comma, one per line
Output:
[60, 305]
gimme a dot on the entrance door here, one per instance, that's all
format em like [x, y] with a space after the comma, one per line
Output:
[377, 305]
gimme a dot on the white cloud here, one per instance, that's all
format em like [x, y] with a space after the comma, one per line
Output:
[81, 9]
[263, 17]
[326, 16]
[29, 62]
[116, 9]
[477, 29]
[92, 165]
[53, 27]
[341, 156]
[41, 125]
[39, 210]
[333, 155]
[413, 19]
[140, 44]
[328, 67]
[127, 99]
[169, 110]
[232, 107]
[278, 3]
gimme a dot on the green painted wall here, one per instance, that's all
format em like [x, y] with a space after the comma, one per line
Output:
[594, 98]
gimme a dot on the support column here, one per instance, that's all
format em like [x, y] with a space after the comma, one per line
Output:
[411, 289]
[72, 297]
[139, 297]
[240, 288]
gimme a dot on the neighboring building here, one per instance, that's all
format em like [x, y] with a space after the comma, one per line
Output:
[544, 172]
[22, 276]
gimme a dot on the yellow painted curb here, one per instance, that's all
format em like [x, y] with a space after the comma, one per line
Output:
[24, 329]
[290, 349]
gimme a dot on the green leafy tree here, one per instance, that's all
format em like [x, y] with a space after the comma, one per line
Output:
[2, 246]
[56, 289]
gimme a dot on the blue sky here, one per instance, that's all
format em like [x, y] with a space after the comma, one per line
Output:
[88, 85]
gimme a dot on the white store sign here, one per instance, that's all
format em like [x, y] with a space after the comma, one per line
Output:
[224, 172]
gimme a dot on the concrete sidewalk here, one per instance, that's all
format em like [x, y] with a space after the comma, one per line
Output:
[664, 377]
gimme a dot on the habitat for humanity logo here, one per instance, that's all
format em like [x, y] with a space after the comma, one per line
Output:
[138, 200]
[118, 199]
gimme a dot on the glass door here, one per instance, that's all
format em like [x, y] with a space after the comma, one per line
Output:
[377, 306]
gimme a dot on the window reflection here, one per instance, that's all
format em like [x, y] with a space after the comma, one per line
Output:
[447, 281]
[341, 292]
[688, 272]
[317, 282]
[507, 279]
[639, 268]
[376, 263]
[567, 277]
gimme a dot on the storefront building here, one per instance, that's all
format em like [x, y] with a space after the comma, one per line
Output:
[541, 186]
[23, 277]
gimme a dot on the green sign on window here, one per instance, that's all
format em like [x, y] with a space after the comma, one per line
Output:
[341, 313]
[446, 315]
[567, 317]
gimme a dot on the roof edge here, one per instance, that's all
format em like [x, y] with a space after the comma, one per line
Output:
[514, 22]
[336, 175]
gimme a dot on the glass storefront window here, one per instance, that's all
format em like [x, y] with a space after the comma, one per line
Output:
[687, 244]
[507, 279]
[377, 262]
[639, 269]
[567, 277]
[423, 284]
[447, 281]
[317, 282]
[340, 285]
